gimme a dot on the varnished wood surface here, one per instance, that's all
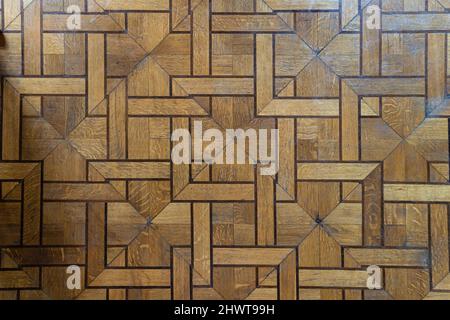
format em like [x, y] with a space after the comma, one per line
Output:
[85, 171]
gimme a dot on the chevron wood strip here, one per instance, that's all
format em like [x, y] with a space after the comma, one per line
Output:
[437, 295]
[200, 39]
[58, 22]
[96, 238]
[436, 90]
[249, 256]
[117, 103]
[288, 278]
[217, 192]
[445, 3]
[264, 87]
[45, 256]
[180, 172]
[334, 171]
[216, 86]
[420, 22]
[12, 10]
[179, 12]
[350, 123]
[371, 46]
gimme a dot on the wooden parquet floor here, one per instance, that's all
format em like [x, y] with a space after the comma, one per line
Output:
[86, 177]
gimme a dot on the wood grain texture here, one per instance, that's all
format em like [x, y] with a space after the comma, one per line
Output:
[86, 170]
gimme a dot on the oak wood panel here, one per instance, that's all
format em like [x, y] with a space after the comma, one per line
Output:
[86, 170]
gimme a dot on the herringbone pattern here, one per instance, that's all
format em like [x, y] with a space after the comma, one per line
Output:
[86, 177]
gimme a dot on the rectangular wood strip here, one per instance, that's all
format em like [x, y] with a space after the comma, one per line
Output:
[96, 259]
[436, 84]
[265, 210]
[181, 278]
[350, 124]
[286, 173]
[133, 170]
[248, 23]
[288, 277]
[32, 39]
[303, 4]
[103, 23]
[34, 256]
[417, 22]
[217, 192]
[264, 70]
[49, 86]
[302, 108]
[216, 86]
[417, 192]
[134, 5]
[16, 279]
[96, 70]
[10, 123]
[133, 278]
[118, 123]
[439, 242]
[99, 192]
[249, 256]
[202, 240]
[390, 257]
[32, 185]
[387, 86]
[164, 107]
[201, 39]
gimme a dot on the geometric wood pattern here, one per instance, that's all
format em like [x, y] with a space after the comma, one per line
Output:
[86, 177]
